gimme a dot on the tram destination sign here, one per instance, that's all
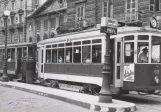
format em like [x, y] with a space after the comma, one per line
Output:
[109, 25]
[109, 22]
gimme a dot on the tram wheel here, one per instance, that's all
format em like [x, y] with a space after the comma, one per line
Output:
[54, 84]
[151, 91]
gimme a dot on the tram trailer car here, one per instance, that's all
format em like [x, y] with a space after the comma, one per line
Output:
[15, 55]
[77, 59]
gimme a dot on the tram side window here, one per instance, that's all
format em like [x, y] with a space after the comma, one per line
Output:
[61, 55]
[68, 58]
[156, 47]
[86, 54]
[30, 52]
[24, 52]
[96, 54]
[13, 55]
[19, 53]
[143, 52]
[54, 55]
[129, 52]
[77, 55]
[1, 55]
[9, 55]
[48, 56]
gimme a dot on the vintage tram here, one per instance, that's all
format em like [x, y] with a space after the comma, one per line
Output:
[15, 55]
[76, 59]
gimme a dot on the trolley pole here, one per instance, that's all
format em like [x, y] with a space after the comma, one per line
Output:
[5, 75]
[105, 93]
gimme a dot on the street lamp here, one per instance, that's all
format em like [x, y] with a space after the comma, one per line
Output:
[105, 93]
[5, 76]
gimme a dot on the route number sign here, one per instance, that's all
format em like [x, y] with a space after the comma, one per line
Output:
[109, 25]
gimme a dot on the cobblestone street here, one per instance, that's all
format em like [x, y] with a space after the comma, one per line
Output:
[18, 101]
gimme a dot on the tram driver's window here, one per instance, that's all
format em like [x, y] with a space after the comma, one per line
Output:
[96, 54]
[61, 55]
[77, 55]
[68, 58]
[48, 56]
[142, 52]
[86, 54]
[156, 47]
[129, 52]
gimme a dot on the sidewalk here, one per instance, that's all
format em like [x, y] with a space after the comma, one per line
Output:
[83, 100]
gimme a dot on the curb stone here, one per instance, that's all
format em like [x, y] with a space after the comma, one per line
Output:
[89, 106]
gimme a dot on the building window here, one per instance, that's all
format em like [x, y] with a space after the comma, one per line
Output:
[8, 20]
[5, 6]
[12, 19]
[152, 5]
[20, 18]
[21, 4]
[53, 23]
[13, 5]
[30, 39]
[61, 20]
[155, 5]
[60, 1]
[45, 24]
[131, 7]
[159, 4]
[35, 3]
[104, 8]
[38, 25]
[80, 14]
[30, 27]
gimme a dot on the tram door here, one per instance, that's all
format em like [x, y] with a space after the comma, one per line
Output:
[40, 63]
[118, 62]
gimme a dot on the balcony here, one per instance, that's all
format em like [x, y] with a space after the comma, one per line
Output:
[132, 18]
[74, 26]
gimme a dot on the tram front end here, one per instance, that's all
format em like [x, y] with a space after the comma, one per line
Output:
[142, 77]
[142, 62]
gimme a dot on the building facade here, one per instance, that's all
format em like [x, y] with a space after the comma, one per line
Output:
[76, 14]
[63, 15]
[16, 21]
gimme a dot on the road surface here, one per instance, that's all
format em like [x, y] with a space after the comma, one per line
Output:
[12, 100]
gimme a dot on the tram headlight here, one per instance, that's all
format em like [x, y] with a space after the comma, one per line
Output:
[156, 79]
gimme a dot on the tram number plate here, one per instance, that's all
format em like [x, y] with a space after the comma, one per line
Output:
[112, 31]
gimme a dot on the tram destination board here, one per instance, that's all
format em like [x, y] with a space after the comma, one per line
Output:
[112, 31]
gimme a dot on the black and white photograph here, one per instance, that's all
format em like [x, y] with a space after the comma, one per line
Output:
[80, 55]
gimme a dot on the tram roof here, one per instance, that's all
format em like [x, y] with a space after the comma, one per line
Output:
[18, 45]
[122, 31]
